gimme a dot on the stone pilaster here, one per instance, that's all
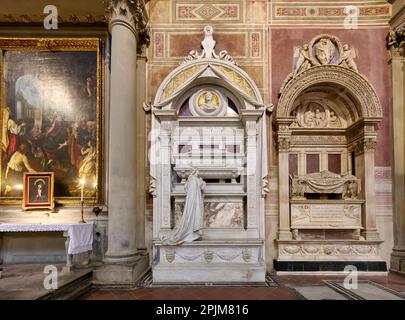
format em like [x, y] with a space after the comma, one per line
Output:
[251, 166]
[167, 118]
[123, 263]
[367, 153]
[141, 149]
[284, 136]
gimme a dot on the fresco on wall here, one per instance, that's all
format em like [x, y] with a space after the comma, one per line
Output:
[49, 120]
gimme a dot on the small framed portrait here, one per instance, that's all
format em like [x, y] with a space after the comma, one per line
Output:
[38, 191]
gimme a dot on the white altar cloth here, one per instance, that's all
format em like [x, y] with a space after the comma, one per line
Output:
[80, 234]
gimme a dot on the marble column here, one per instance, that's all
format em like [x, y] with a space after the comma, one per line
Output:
[396, 46]
[398, 126]
[123, 263]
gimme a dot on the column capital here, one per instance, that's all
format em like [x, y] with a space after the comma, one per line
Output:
[396, 42]
[132, 14]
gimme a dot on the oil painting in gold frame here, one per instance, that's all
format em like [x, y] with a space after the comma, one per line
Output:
[51, 116]
[38, 189]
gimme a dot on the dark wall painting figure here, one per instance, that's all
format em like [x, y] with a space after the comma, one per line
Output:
[49, 120]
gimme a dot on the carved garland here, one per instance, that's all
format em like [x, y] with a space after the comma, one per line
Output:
[328, 250]
[209, 256]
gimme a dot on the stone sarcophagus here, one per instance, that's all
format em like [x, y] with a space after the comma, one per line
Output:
[324, 183]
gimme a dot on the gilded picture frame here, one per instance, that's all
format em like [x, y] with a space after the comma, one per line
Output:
[38, 190]
[51, 100]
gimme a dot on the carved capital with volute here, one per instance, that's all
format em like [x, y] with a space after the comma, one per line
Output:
[365, 145]
[133, 15]
[396, 42]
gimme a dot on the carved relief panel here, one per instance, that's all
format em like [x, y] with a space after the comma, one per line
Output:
[315, 115]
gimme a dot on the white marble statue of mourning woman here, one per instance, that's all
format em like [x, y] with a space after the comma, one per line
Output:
[191, 221]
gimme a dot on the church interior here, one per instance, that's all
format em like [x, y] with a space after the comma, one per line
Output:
[185, 149]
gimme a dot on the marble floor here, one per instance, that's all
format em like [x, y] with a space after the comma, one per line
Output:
[26, 282]
[391, 287]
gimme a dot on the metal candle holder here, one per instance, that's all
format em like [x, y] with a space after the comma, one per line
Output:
[82, 212]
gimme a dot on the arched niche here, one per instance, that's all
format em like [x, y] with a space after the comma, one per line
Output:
[326, 129]
[348, 83]
[208, 114]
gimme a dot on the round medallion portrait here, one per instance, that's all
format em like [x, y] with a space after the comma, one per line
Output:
[209, 101]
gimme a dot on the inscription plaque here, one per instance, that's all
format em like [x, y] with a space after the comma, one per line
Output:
[324, 216]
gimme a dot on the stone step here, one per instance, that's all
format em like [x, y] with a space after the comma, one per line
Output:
[71, 290]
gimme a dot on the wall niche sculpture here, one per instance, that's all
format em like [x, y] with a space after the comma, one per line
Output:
[326, 120]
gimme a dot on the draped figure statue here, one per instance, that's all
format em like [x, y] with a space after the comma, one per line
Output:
[191, 221]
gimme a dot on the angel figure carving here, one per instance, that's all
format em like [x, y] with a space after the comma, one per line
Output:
[348, 58]
[304, 62]
[191, 221]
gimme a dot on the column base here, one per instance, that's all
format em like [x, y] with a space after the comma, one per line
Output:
[371, 235]
[397, 262]
[121, 272]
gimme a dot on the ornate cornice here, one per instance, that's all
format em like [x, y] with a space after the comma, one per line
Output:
[35, 19]
[71, 44]
[131, 13]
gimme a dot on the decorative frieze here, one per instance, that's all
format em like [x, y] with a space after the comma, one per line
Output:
[325, 12]
[191, 11]
[209, 255]
[327, 250]
[318, 140]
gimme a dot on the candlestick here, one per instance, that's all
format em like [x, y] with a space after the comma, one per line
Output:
[82, 181]
[82, 212]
